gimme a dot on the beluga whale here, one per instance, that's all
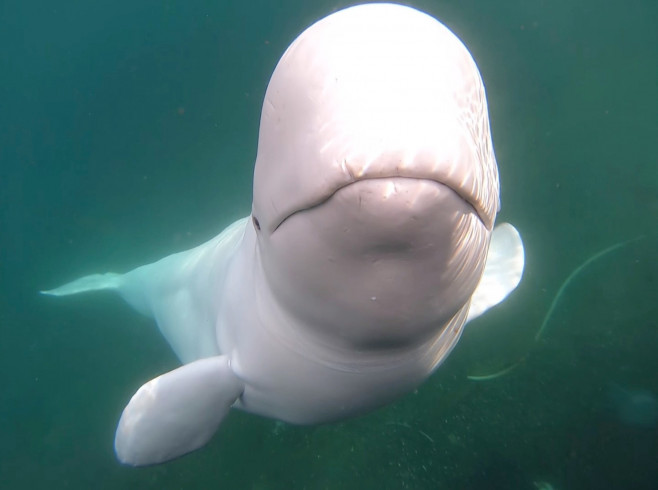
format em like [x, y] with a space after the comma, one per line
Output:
[370, 243]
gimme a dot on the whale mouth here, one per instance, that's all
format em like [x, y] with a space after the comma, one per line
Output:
[412, 251]
[389, 188]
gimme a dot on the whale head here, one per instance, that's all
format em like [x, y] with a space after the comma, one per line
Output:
[376, 186]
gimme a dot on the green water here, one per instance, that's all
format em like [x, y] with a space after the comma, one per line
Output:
[127, 133]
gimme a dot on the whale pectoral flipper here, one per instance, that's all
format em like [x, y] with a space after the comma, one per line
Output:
[176, 412]
[502, 272]
[93, 282]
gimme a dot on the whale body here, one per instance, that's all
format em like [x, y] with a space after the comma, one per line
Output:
[370, 244]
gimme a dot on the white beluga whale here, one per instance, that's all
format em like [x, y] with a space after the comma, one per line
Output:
[370, 243]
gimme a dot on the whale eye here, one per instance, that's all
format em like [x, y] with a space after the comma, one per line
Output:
[256, 223]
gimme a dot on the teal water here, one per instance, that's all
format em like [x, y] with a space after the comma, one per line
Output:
[127, 133]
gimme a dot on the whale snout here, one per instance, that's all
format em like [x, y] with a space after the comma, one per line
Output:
[385, 251]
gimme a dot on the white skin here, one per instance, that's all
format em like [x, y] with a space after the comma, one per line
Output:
[375, 194]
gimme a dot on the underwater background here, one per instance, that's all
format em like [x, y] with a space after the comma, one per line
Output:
[128, 131]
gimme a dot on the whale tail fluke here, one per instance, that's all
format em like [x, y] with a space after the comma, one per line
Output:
[94, 282]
